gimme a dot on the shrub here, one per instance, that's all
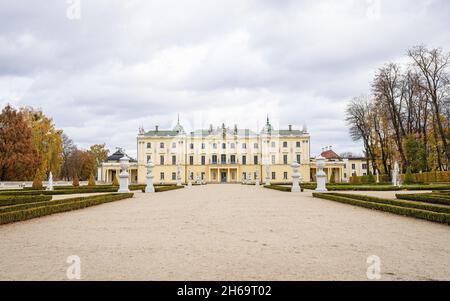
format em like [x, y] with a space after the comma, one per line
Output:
[409, 178]
[426, 197]
[115, 181]
[8, 200]
[417, 213]
[91, 180]
[68, 205]
[280, 188]
[76, 181]
[370, 178]
[37, 183]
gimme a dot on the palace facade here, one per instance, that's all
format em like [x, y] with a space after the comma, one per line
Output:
[224, 155]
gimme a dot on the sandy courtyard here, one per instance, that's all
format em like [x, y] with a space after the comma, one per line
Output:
[224, 232]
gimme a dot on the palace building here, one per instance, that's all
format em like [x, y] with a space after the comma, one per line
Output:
[223, 155]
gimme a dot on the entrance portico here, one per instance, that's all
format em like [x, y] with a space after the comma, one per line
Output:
[223, 175]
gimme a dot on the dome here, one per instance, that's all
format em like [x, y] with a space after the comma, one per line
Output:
[178, 128]
[267, 129]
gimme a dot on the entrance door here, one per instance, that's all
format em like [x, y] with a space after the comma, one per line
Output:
[223, 176]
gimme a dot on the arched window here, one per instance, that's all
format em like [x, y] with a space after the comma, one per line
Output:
[149, 145]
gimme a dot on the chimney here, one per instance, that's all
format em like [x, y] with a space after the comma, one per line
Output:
[290, 128]
[156, 128]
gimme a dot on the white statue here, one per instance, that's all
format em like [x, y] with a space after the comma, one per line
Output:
[321, 176]
[249, 178]
[396, 175]
[190, 178]
[179, 174]
[50, 182]
[150, 188]
[267, 179]
[295, 177]
[123, 177]
[377, 174]
[257, 177]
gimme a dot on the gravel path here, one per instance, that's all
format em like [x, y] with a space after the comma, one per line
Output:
[225, 232]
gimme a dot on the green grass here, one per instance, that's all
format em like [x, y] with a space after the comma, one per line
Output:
[405, 211]
[33, 210]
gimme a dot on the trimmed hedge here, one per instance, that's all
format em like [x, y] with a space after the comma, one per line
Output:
[8, 200]
[59, 192]
[401, 203]
[57, 207]
[426, 197]
[280, 188]
[417, 213]
[165, 188]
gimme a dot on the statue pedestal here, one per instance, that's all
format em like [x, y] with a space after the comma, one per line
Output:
[321, 176]
[150, 188]
[295, 178]
[123, 177]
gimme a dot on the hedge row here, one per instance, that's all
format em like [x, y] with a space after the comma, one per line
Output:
[58, 192]
[57, 207]
[430, 177]
[280, 188]
[8, 200]
[165, 188]
[426, 197]
[417, 213]
[400, 203]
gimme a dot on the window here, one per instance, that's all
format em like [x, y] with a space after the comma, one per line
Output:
[274, 175]
[255, 145]
[215, 145]
[255, 160]
[224, 145]
[244, 160]
[203, 160]
[299, 158]
[345, 165]
[285, 175]
[161, 160]
[345, 175]
[223, 159]
[232, 145]
[203, 175]
[161, 145]
[203, 146]
[285, 159]
[364, 166]
[174, 145]
[244, 145]
[214, 159]
[174, 160]
[191, 146]
[161, 176]
[244, 176]
[233, 159]
[273, 144]
[273, 159]
[353, 166]
[149, 145]
[191, 160]
[174, 176]
[297, 144]
[285, 144]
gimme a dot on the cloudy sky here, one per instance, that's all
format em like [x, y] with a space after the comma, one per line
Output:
[104, 67]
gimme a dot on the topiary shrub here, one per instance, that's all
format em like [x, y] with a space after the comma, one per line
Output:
[115, 181]
[76, 181]
[409, 178]
[37, 183]
[91, 180]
